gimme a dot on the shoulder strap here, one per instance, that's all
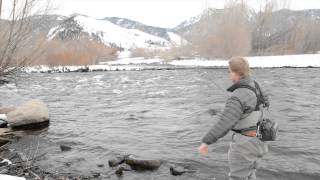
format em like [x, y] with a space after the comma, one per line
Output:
[261, 99]
[257, 91]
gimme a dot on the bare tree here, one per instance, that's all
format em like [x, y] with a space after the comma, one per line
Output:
[0, 8]
[263, 24]
[235, 29]
[305, 37]
[18, 44]
[262, 27]
[228, 35]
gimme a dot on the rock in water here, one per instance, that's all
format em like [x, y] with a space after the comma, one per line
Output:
[3, 123]
[117, 161]
[6, 110]
[177, 171]
[143, 165]
[212, 112]
[31, 113]
[119, 171]
[65, 148]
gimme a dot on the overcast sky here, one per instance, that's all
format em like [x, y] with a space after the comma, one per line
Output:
[162, 13]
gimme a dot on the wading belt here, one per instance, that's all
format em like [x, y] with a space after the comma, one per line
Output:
[251, 131]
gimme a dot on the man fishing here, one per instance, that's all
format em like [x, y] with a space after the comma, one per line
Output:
[241, 115]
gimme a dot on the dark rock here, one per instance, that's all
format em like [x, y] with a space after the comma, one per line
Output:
[177, 170]
[4, 163]
[32, 127]
[100, 165]
[143, 165]
[119, 171]
[3, 123]
[68, 164]
[4, 141]
[65, 148]
[117, 161]
[4, 81]
[131, 119]
[85, 69]
[95, 174]
[212, 112]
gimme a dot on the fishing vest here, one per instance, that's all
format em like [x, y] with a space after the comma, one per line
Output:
[250, 122]
[266, 129]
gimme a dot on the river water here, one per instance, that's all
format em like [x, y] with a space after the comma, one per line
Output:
[163, 114]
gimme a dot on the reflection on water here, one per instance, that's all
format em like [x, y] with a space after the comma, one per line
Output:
[163, 115]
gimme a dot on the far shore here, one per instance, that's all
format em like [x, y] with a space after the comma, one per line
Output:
[138, 64]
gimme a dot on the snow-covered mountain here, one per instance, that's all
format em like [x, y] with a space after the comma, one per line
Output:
[196, 19]
[209, 17]
[131, 24]
[110, 33]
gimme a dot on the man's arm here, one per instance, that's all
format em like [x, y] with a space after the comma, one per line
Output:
[230, 116]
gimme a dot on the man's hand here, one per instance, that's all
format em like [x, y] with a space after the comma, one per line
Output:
[203, 149]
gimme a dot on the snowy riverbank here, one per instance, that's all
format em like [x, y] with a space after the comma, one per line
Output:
[131, 64]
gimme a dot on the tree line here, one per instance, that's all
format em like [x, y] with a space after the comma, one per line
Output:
[238, 30]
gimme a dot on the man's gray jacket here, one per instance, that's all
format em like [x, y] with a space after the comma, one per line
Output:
[238, 106]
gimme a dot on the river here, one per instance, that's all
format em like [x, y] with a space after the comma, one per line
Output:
[163, 114]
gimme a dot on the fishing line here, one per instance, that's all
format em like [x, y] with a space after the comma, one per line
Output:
[215, 84]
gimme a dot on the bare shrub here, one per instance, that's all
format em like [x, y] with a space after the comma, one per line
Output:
[305, 37]
[76, 52]
[232, 35]
[18, 44]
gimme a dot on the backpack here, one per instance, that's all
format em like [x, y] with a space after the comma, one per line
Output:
[266, 128]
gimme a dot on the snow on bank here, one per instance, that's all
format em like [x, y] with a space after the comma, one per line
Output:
[137, 60]
[131, 64]
[201, 63]
[55, 69]
[308, 60]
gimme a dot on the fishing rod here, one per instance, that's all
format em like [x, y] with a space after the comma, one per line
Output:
[217, 85]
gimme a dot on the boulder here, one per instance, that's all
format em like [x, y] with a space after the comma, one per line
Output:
[6, 110]
[177, 170]
[3, 123]
[33, 112]
[117, 161]
[143, 165]
[65, 148]
[119, 171]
